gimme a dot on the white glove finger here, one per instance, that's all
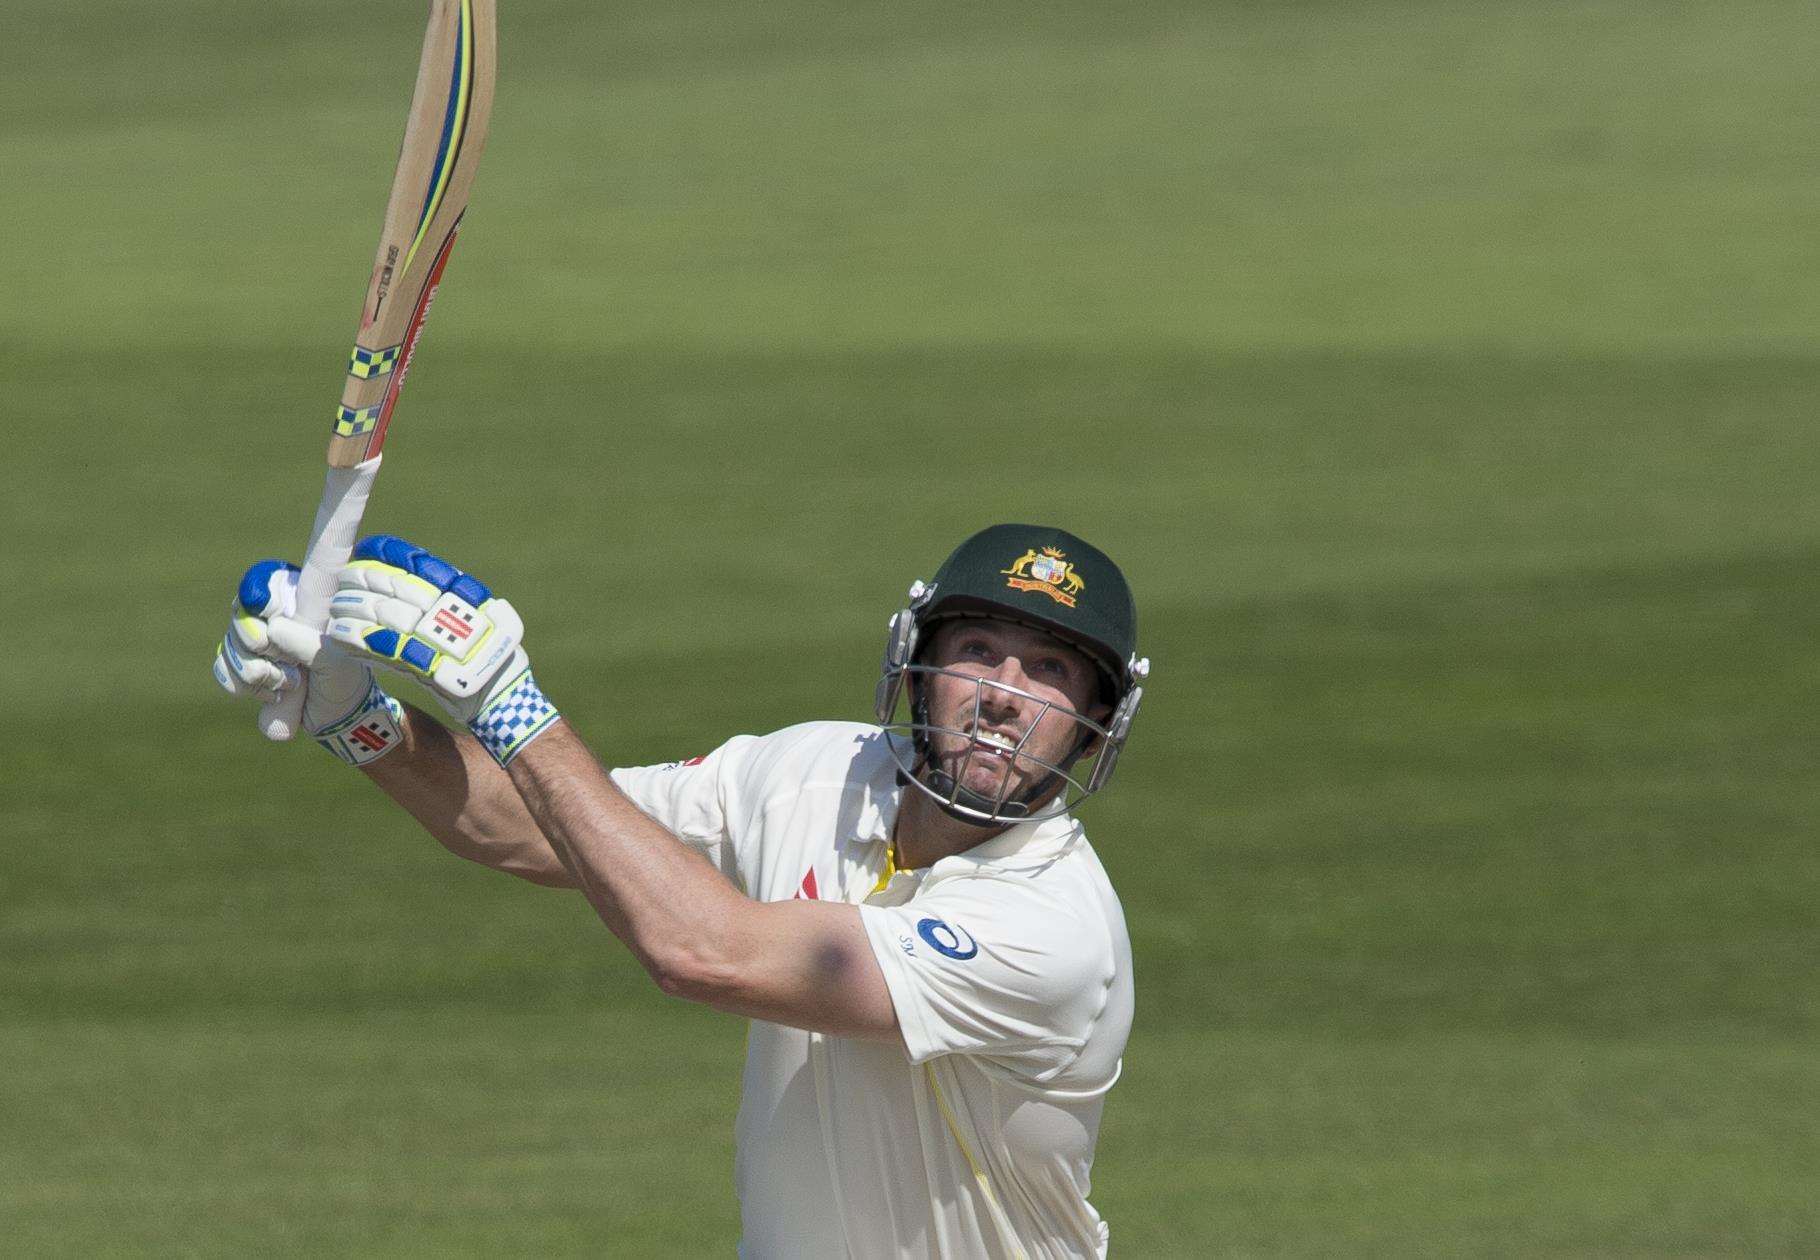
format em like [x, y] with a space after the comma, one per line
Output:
[247, 631]
[293, 641]
[379, 609]
[224, 676]
[384, 579]
[242, 675]
[274, 676]
[250, 672]
[399, 614]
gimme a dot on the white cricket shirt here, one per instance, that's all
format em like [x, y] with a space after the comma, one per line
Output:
[1010, 970]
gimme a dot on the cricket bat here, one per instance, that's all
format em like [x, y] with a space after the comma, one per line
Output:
[443, 138]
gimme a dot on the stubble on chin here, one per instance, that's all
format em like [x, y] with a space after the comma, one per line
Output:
[983, 772]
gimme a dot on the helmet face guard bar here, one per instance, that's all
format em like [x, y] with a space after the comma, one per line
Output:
[1056, 792]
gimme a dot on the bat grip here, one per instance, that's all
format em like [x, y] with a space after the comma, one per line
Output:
[344, 501]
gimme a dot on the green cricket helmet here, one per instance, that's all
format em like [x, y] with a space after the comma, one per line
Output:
[1051, 581]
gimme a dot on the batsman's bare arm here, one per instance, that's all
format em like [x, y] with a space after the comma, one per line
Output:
[404, 609]
[807, 964]
[556, 819]
[447, 782]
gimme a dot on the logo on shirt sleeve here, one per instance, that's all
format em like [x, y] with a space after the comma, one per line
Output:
[952, 941]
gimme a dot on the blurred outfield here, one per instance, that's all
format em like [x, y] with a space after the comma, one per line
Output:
[1444, 374]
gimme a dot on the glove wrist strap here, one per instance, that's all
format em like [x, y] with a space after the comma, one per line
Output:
[513, 718]
[371, 731]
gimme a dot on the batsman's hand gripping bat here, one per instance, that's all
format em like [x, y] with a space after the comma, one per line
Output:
[442, 143]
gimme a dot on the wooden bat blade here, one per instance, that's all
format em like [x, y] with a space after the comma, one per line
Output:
[446, 131]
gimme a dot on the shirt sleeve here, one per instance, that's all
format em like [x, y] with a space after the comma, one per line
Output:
[694, 799]
[994, 967]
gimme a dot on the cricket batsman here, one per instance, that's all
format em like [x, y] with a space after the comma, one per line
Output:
[934, 964]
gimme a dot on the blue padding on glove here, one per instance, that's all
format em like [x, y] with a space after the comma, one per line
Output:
[388, 549]
[470, 588]
[395, 551]
[434, 570]
[256, 585]
[418, 654]
[383, 641]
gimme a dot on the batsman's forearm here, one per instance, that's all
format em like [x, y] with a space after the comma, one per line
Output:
[448, 783]
[808, 964]
[664, 900]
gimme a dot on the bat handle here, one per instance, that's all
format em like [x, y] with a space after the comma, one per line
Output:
[344, 501]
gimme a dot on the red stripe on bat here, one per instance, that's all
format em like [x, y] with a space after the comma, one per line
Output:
[421, 313]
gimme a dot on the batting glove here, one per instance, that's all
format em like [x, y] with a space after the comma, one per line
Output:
[265, 654]
[401, 607]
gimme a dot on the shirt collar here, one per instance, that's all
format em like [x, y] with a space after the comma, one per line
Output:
[879, 798]
[1017, 848]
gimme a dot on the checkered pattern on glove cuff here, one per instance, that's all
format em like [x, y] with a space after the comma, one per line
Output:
[519, 715]
[368, 733]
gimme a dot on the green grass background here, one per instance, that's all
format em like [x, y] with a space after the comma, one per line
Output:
[1443, 374]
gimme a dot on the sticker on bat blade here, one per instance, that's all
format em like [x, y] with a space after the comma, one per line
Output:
[365, 364]
[353, 421]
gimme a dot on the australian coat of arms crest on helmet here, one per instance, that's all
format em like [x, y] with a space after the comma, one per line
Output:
[1048, 571]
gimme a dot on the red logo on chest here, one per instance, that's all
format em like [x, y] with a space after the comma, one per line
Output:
[808, 891]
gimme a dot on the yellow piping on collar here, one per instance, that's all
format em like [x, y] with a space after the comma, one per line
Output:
[890, 868]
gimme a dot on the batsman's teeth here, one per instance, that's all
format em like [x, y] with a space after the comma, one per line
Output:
[992, 739]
